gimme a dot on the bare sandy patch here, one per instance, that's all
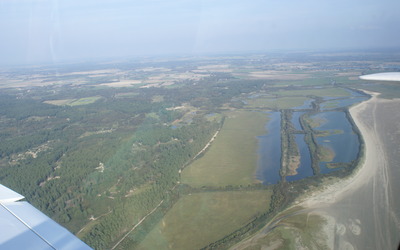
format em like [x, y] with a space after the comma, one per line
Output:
[356, 74]
[92, 72]
[167, 83]
[17, 83]
[122, 83]
[213, 68]
[60, 102]
[273, 75]
[187, 75]
[154, 69]
[294, 163]
[155, 85]
[162, 80]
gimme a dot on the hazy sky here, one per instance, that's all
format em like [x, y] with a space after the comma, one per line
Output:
[55, 30]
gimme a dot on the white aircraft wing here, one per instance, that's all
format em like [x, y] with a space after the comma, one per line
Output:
[22, 226]
[386, 76]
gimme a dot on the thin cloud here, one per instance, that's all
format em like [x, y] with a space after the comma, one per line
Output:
[57, 30]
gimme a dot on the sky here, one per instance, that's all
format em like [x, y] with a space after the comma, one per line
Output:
[35, 31]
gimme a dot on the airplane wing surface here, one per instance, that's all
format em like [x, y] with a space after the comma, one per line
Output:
[385, 76]
[22, 226]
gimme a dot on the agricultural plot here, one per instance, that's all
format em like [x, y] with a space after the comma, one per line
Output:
[322, 92]
[276, 103]
[199, 219]
[74, 102]
[232, 157]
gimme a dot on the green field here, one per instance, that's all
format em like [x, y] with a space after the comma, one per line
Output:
[74, 102]
[157, 98]
[331, 104]
[199, 219]
[308, 82]
[276, 103]
[86, 100]
[232, 157]
[320, 78]
[322, 92]
[389, 90]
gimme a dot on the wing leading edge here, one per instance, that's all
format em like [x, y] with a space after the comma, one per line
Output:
[22, 226]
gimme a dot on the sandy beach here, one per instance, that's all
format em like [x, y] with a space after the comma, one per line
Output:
[327, 202]
[360, 211]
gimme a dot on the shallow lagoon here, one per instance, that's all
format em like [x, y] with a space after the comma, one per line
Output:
[269, 151]
[342, 140]
[345, 144]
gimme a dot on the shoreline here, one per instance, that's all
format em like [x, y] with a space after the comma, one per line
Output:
[315, 201]
[372, 158]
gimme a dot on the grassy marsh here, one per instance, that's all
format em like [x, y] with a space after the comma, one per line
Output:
[232, 157]
[276, 103]
[202, 218]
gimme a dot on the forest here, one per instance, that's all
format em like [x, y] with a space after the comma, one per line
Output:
[119, 156]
